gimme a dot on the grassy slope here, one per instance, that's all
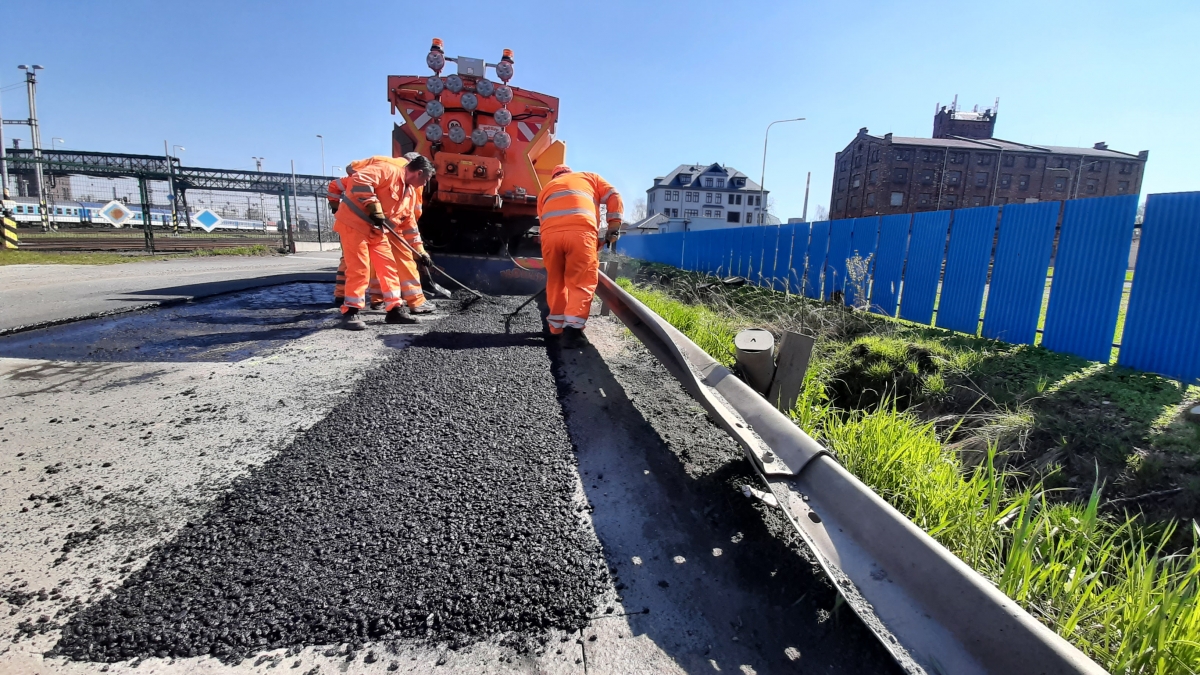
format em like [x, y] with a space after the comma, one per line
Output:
[882, 395]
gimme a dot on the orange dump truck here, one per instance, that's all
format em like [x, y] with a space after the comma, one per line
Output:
[493, 146]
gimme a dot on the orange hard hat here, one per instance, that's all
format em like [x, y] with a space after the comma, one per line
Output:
[560, 170]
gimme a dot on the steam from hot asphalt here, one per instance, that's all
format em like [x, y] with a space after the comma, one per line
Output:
[437, 502]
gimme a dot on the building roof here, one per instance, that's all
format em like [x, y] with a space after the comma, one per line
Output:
[697, 170]
[1007, 146]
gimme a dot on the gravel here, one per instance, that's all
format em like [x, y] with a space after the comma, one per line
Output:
[439, 502]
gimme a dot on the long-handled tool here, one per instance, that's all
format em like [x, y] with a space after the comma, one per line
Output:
[472, 291]
[512, 315]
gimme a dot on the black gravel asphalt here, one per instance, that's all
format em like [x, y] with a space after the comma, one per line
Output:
[436, 503]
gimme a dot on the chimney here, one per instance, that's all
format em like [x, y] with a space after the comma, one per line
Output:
[1143, 155]
[1100, 146]
[887, 138]
[862, 131]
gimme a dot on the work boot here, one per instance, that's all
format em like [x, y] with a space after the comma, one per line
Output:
[377, 305]
[398, 315]
[573, 338]
[424, 308]
[338, 300]
[350, 320]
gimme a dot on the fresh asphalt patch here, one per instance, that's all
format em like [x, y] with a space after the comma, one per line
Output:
[439, 502]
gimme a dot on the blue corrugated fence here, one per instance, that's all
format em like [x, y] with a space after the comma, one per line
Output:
[946, 259]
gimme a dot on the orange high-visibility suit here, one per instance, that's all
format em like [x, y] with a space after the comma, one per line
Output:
[569, 211]
[377, 183]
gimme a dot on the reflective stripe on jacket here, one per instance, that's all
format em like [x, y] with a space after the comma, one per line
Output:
[572, 202]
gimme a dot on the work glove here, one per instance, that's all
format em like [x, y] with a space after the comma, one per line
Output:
[333, 207]
[375, 213]
[424, 260]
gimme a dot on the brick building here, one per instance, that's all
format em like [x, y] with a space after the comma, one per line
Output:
[964, 165]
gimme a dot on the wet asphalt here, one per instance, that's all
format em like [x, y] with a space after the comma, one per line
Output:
[438, 502]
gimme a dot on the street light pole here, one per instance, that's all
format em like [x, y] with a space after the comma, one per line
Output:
[1079, 175]
[262, 214]
[35, 136]
[322, 153]
[762, 188]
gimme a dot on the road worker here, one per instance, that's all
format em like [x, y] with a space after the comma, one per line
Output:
[570, 230]
[381, 193]
[334, 195]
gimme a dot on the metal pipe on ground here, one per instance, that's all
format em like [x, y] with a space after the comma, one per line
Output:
[930, 610]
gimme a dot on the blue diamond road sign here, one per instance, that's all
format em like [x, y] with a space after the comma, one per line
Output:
[116, 213]
[207, 219]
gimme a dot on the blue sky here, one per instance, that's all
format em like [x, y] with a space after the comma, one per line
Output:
[644, 86]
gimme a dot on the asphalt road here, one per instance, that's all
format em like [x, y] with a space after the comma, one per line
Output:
[39, 294]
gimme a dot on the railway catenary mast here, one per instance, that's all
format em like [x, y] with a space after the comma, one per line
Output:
[493, 146]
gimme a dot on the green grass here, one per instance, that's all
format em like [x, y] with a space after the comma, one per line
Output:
[1116, 587]
[18, 257]
[11, 257]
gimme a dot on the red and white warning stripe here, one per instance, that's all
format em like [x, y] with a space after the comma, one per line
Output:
[527, 132]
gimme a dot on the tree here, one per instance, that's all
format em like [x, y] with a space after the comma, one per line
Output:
[639, 210]
[822, 213]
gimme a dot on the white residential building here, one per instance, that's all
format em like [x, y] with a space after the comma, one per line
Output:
[705, 197]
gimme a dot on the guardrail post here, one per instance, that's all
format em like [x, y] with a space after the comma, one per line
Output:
[756, 358]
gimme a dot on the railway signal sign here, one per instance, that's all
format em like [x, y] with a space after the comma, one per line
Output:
[207, 219]
[116, 213]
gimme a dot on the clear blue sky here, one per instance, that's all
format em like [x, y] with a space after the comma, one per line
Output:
[645, 86]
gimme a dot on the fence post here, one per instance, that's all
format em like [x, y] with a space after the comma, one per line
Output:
[146, 228]
[320, 244]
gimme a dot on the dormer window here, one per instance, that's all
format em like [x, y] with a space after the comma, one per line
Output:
[685, 178]
[720, 182]
[708, 182]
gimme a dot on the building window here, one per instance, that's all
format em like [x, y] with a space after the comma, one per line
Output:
[873, 177]
[977, 201]
[758, 200]
[874, 155]
[858, 160]
[1062, 163]
[854, 201]
[903, 155]
[733, 217]
[984, 160]
[1095, 166]
[1023, 183]
[691, 213]
[1060, 184]
[1122, 187]
[707, 197]
[1005, 180]
[899, 175]
[953, 177]
[708, 182]
[1126, 167]
[720, 182]
[1031, 162]
[844, 166]
[674, 213]
[839, 204]
[708, 213]
[718, 198]
[856, 181]
[958, 157]
[897, 199]
[1001, 201]
[675, 195]
[981, 179]
[738, 198]
[841, 185]
[924, 199]
[716, 213]
[1091, 185]
[927, 177]
[870, 199]
[951, 200]
[1010, 161]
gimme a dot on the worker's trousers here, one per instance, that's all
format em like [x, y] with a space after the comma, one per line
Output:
[363, 253]
[374, 294]
[571, 261]
[407, 273]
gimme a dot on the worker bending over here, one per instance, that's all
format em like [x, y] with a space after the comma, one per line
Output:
[382, 192]
[569, 211]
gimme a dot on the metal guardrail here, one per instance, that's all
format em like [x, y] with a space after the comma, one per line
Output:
[930, 610]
